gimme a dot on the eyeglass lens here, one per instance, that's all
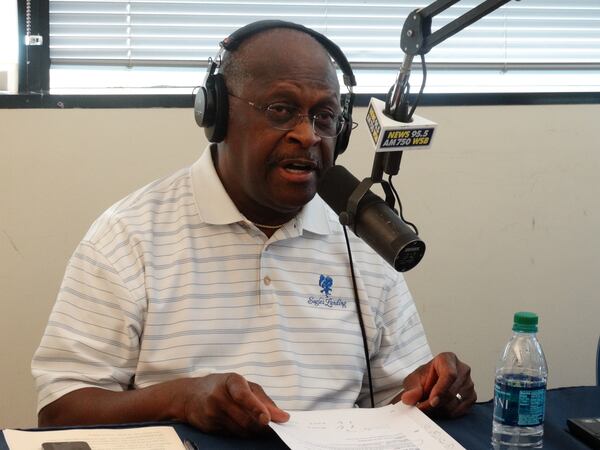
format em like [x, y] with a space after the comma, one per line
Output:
[284, 117]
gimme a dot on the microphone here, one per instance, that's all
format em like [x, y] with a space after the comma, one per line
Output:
[372, 219]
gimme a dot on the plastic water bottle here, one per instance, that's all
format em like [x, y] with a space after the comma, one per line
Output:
[520, 388]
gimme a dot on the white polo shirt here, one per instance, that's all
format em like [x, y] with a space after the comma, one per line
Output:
[173, 281]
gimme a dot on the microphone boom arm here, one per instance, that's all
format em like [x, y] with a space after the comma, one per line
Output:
[417, 38]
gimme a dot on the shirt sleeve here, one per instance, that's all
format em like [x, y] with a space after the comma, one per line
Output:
[92, 335]
[400, 346]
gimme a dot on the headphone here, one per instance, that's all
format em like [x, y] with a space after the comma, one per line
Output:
[211, 106]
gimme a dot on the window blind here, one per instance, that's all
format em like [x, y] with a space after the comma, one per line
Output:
[559, 34]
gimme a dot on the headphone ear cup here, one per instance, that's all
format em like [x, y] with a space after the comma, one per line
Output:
[200, 107]
[216, 108]
[217, 130]
[343, 138]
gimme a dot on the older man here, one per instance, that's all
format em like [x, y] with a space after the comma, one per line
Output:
[198, 297]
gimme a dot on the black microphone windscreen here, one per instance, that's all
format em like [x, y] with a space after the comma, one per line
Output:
[372, 220]
[337, 185]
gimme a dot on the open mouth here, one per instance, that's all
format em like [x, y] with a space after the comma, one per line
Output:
[299, 167]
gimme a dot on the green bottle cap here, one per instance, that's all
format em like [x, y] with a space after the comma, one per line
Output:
[525, 322]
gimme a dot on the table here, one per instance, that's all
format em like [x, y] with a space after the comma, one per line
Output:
[473, 430]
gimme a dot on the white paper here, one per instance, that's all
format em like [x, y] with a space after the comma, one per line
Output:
[393, 427]
[143, 438]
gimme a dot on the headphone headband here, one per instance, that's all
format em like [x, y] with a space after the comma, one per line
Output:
[211, 107]
[234, 40]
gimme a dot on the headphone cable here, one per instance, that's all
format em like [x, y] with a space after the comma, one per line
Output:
[360, 319]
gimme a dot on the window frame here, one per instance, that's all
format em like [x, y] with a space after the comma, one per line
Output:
[34, 61]
[110, 101]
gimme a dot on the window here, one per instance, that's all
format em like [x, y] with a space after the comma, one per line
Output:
[524, 46]
[9, 55]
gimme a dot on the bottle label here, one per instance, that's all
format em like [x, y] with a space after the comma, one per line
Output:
[519, 400]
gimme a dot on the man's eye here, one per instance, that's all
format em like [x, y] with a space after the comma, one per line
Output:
[325, 117]
[281, 111]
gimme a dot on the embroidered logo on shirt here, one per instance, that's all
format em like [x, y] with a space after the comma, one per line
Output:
[326, 284]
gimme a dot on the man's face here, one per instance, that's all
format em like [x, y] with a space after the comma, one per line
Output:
[270, 173]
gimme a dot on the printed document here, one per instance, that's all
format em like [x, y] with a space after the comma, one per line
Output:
[393, 427]
[144, 438]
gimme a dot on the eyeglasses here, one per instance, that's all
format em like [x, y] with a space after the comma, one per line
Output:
[285, 117]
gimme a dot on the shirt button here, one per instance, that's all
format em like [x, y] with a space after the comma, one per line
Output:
[267, 280]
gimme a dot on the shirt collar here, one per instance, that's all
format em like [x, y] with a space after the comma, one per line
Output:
[216, 207]
[214, 204]
[315, 217]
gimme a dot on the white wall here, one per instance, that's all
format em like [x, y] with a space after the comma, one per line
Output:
[507, 202]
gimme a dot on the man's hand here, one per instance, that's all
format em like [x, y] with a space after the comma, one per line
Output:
[226, 403]
[223, 403]
[442, 386]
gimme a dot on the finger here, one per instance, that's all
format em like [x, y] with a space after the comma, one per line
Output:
[430, 397]
[460, 407]
[451, 408]
[446, 375]
[424, 396]
[431, 378]
[469, 397]
[431, 381]
[277, 415]
[216, 418]
[414, 385]
[462, 389]
[461, 394]
[412, 396]
[450, 395]
[425, 406]
[242, 423]
[417, 396]
[240, 392]
[452, 402]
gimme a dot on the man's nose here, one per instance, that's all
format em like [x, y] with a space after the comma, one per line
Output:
[304, 131]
